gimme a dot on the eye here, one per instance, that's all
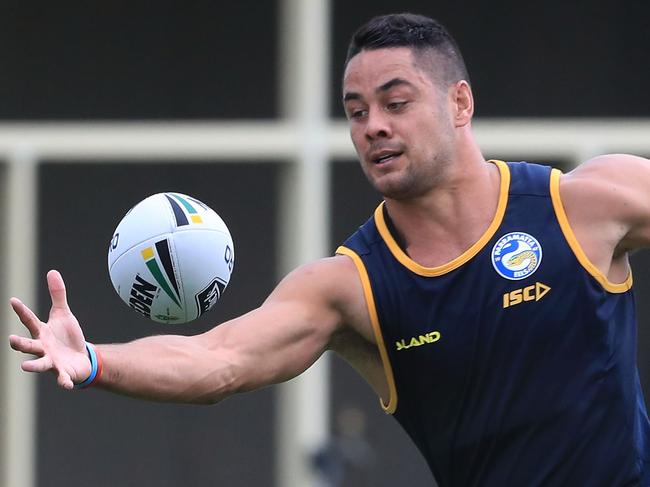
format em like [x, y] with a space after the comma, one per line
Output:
[358, 113]
[395, 106]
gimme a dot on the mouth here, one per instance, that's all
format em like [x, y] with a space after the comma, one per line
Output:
[384, 158]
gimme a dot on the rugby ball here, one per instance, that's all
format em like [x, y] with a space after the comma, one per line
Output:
[171, 258]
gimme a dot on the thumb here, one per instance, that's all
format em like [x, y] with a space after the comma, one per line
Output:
[65, 381]
[57, 290]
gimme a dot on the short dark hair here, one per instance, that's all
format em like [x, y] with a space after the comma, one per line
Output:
[423, 35]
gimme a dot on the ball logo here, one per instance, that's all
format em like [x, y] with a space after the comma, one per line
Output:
[181, 214]
[209, 296]
[163, 274]
[516, 255]
[142, 295]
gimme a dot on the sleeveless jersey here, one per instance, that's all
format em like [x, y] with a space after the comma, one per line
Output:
[515, 363]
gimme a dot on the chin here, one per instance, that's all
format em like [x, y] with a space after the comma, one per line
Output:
[397, 184]
[396, 189]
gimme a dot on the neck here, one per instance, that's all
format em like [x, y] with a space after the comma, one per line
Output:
[428, 226]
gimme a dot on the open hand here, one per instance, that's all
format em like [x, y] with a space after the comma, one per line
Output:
[59, 344]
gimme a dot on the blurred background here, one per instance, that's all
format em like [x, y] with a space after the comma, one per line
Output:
[238, 104]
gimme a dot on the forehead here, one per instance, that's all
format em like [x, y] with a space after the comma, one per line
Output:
[372, 68]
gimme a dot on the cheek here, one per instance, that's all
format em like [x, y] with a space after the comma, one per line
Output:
[357, 135]
[430, 129]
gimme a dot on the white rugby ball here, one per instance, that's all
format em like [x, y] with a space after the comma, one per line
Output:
[171, 258]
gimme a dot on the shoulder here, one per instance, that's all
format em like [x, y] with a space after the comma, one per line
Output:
[613, 179]
[610, 191]
[609, 169]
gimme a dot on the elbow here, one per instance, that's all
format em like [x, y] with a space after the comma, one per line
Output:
[216, 395]
[209, 399]
[219, 382]
[212, 396]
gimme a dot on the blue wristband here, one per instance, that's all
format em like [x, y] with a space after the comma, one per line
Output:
[93, 367]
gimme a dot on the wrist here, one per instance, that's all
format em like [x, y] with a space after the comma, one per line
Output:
[96, 367]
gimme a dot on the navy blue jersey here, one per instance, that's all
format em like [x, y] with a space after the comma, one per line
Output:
[515, 363]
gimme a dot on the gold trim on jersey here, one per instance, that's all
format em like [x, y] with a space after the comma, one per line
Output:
[374, 320]
[575, 245]
[409, 263]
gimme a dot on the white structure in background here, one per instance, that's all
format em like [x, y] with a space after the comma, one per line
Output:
[308, 140]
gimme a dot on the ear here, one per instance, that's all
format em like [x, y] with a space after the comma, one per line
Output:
[463, 103]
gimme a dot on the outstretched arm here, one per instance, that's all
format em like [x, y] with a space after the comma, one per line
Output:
[270, 344]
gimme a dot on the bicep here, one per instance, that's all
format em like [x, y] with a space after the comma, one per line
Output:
[283, 337]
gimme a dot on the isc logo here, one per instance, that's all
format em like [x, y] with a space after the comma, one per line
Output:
[534, 292]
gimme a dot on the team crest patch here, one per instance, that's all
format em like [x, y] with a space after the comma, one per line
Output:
[516, 255]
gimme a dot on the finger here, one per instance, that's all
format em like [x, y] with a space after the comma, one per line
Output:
[42, 364]
[65, 381]
[26, 316]
[57, 290]
[26, 345]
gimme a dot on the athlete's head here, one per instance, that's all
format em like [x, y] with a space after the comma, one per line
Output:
[433, 47]
[406, 95]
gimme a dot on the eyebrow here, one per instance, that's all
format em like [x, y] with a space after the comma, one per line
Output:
[382, 88]
[394, 82]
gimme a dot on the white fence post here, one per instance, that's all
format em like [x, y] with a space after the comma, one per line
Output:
[18, 388]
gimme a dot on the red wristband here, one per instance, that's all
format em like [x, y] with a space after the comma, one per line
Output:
[100, 367]
[96, 367]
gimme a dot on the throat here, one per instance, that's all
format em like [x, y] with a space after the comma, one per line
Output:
[433, 238]
[432, 248]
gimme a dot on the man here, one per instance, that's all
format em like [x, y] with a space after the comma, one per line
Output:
[487, 304]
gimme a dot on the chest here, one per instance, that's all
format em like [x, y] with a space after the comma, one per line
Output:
[524, 290]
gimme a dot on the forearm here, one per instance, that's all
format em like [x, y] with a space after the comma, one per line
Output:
[168, 368]
[239, 355]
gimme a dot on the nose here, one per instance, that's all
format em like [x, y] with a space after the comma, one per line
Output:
[377, 125]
